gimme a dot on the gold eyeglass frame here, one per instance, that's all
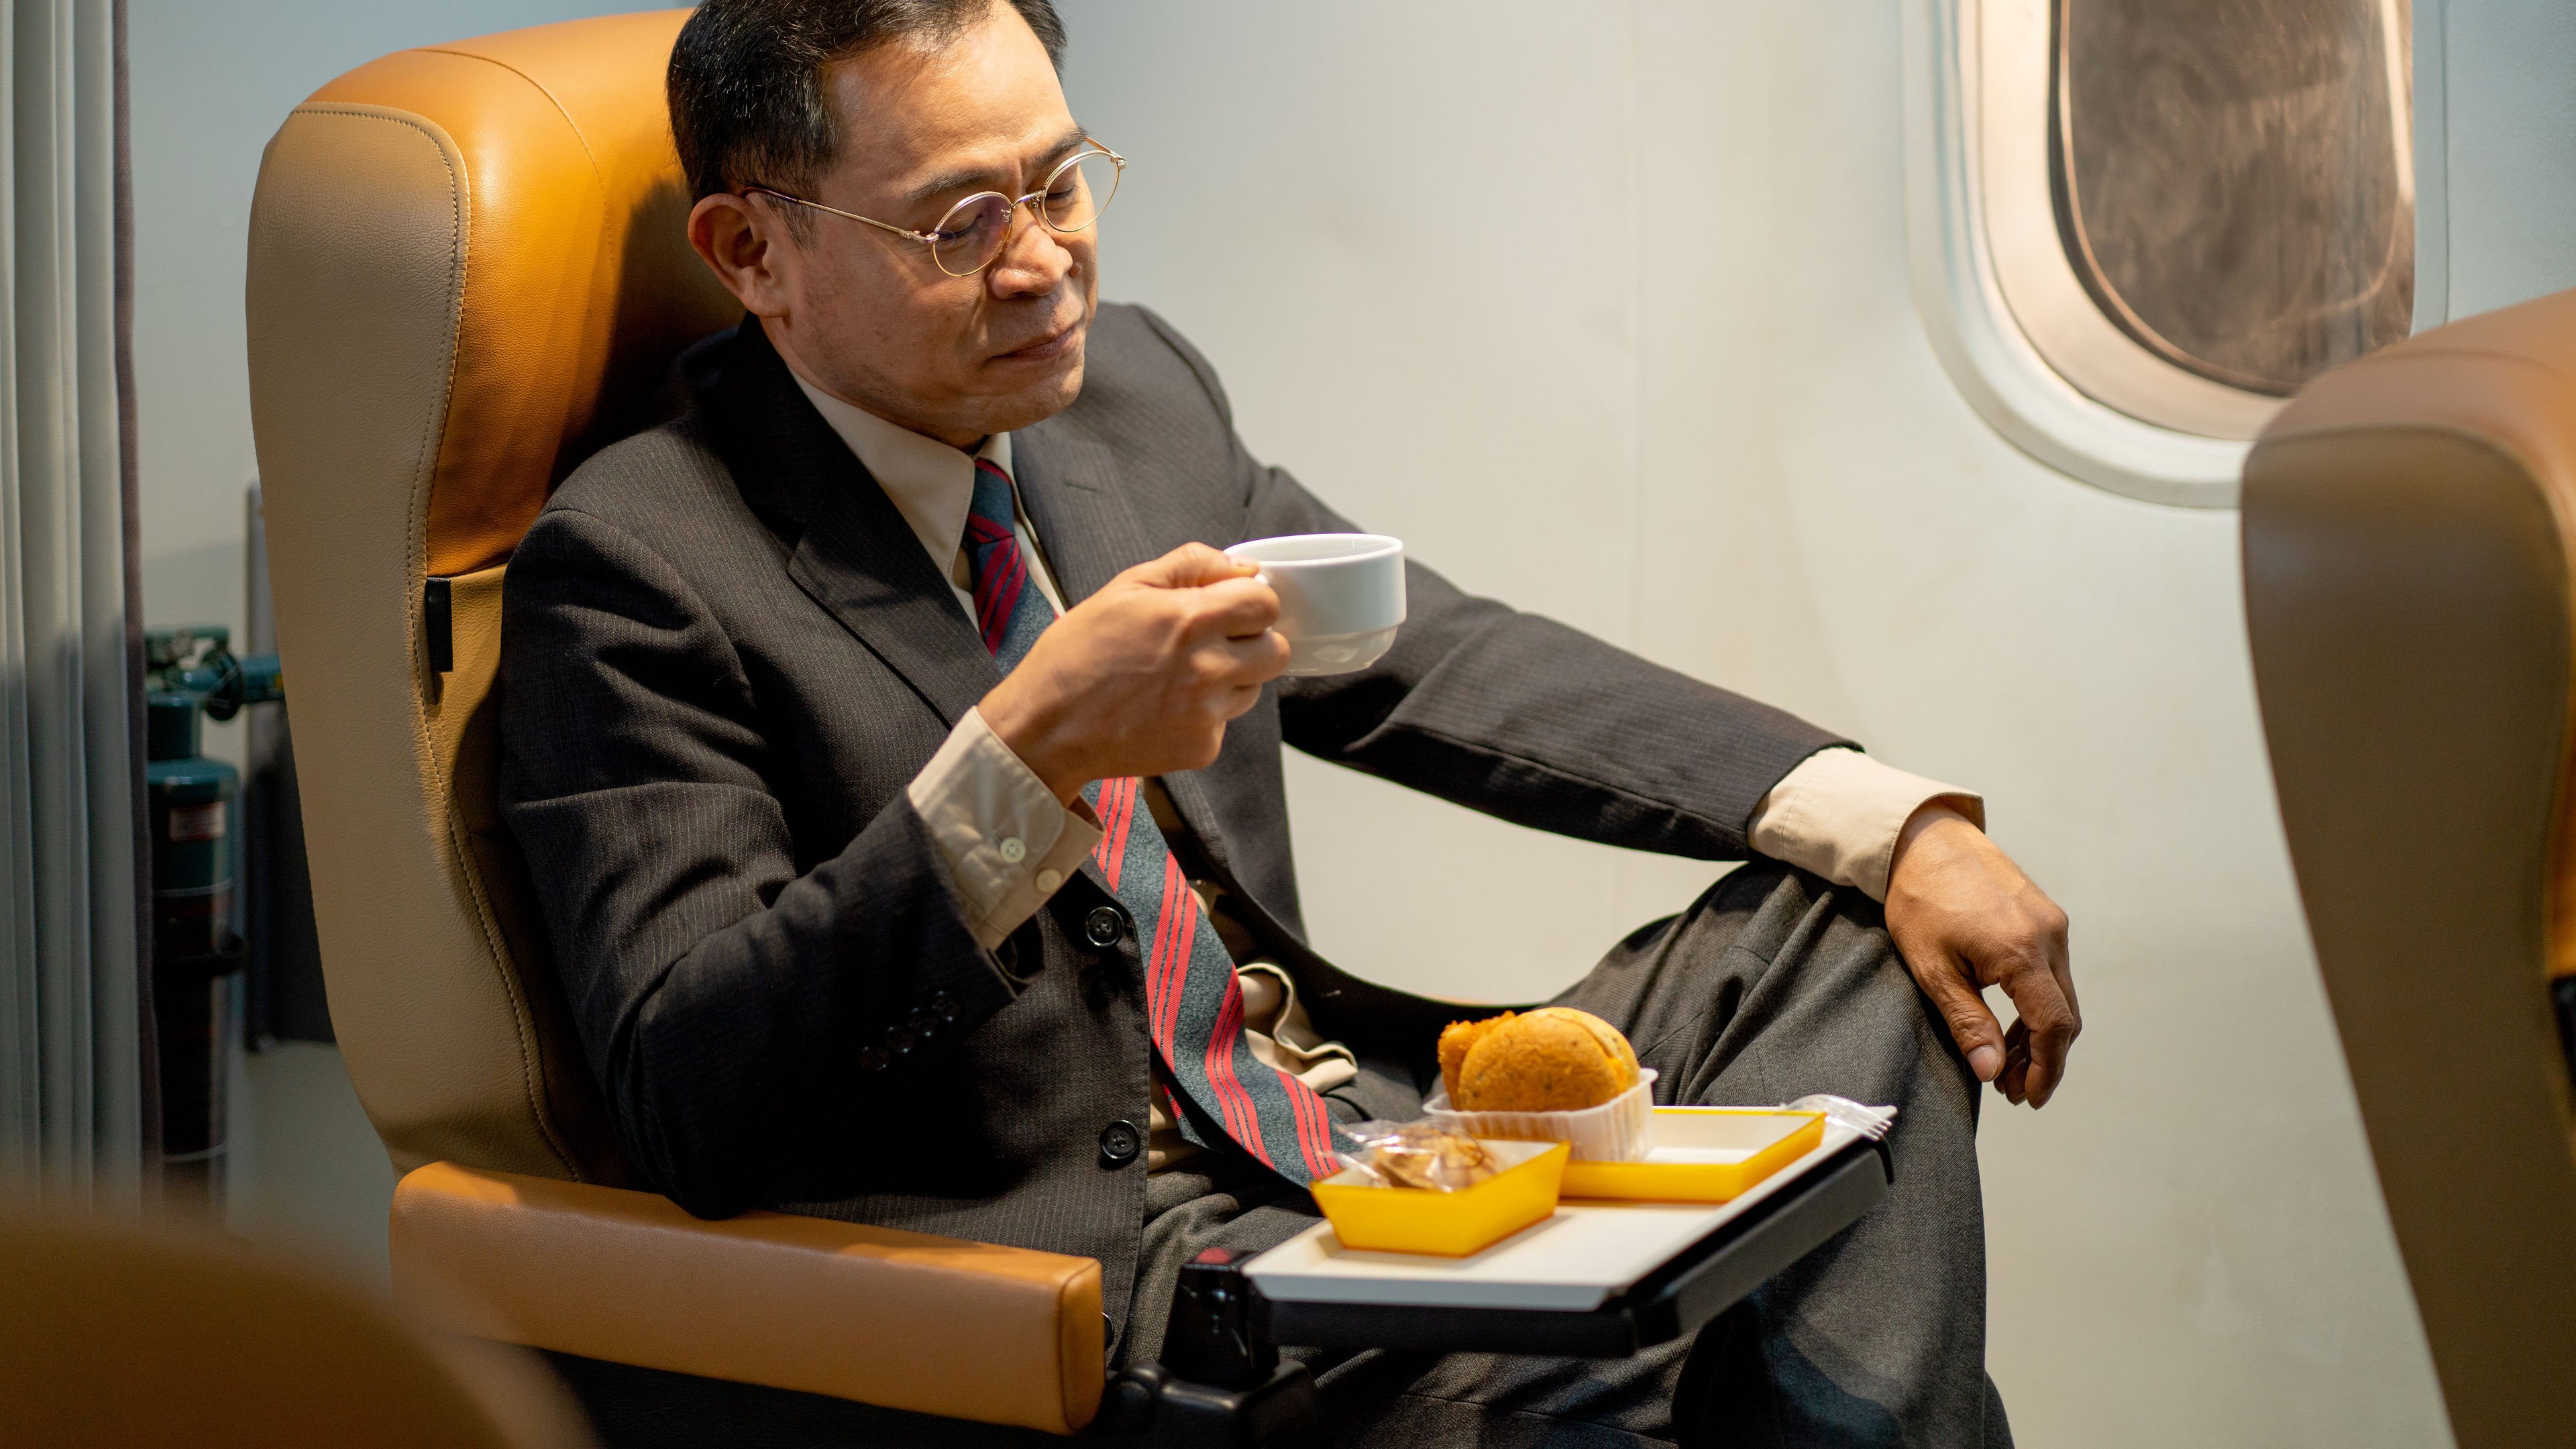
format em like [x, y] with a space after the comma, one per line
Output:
[1035, 201]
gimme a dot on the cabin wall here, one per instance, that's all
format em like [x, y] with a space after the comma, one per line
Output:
[1605, 310]
[2510, 116]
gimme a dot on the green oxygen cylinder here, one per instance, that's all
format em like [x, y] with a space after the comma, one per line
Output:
[197, 956]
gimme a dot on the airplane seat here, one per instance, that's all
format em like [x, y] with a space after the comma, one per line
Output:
[2410, 588]
[122, 1338]
[467, 273]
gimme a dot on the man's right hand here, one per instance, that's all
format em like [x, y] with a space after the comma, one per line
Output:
[1140, 678]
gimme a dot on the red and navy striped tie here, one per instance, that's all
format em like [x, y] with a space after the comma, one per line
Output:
[1193, 1002]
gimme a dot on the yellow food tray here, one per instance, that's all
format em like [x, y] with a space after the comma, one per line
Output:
[1703, 1154]
[1449, 1224]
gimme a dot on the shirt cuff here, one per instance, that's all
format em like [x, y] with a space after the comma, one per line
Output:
[1838, 814]
[1010, 843]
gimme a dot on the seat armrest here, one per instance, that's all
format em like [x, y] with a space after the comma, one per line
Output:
[879, 1315]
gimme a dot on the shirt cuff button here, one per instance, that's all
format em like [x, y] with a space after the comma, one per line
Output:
[1049, 879]
[1014, 849]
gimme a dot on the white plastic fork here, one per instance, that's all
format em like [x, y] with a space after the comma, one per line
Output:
[1869, 1122]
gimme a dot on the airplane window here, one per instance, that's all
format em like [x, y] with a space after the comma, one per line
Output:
[2233, 179]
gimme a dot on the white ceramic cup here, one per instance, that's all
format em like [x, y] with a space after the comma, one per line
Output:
[1341, 596]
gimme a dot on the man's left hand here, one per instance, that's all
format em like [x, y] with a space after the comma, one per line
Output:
[1965, 918]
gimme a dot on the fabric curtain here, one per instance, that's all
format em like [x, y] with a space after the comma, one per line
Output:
[76, 1120]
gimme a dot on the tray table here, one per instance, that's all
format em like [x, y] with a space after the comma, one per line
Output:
[1704, 1260]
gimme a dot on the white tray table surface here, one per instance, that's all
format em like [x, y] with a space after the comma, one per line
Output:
[1573, 1261]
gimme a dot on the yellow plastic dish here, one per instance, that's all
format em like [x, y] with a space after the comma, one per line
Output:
[1448, 1224]
[1703, 1154]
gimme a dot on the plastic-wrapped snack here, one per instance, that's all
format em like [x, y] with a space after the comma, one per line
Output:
[1419, 1154]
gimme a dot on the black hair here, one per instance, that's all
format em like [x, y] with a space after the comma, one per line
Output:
[746, 89]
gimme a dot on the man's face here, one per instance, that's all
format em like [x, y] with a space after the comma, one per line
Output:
[868, 315]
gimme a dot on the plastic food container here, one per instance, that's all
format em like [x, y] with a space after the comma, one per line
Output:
[1703, 1154]
[1378, 1219]
[1619, 1130]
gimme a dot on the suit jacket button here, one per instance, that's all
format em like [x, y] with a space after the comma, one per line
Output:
[1104, 925]
[873, 1059]
[899, 1041]
[946, 1006]
[1119, 1144]
[923, 1020]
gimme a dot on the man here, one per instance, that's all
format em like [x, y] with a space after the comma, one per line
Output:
[899, 769]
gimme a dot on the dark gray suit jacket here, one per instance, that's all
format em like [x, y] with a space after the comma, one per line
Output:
[725, 655]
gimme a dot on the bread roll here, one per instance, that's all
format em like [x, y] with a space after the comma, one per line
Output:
[1554, 1059]
[1455, 1041]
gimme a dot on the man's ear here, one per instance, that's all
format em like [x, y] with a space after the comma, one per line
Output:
[741, 244]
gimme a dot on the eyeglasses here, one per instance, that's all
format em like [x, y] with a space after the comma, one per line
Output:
[974, 231]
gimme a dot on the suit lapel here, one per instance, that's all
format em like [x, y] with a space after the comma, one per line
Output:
[1069, 485]
[854, 555]
[859, 560]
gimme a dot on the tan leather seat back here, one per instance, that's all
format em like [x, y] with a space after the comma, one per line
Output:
[468, 271]
[2410, 541]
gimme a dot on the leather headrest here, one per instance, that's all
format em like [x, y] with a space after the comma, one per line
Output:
[2502, 383]
[2506, 378]
[579, 283]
